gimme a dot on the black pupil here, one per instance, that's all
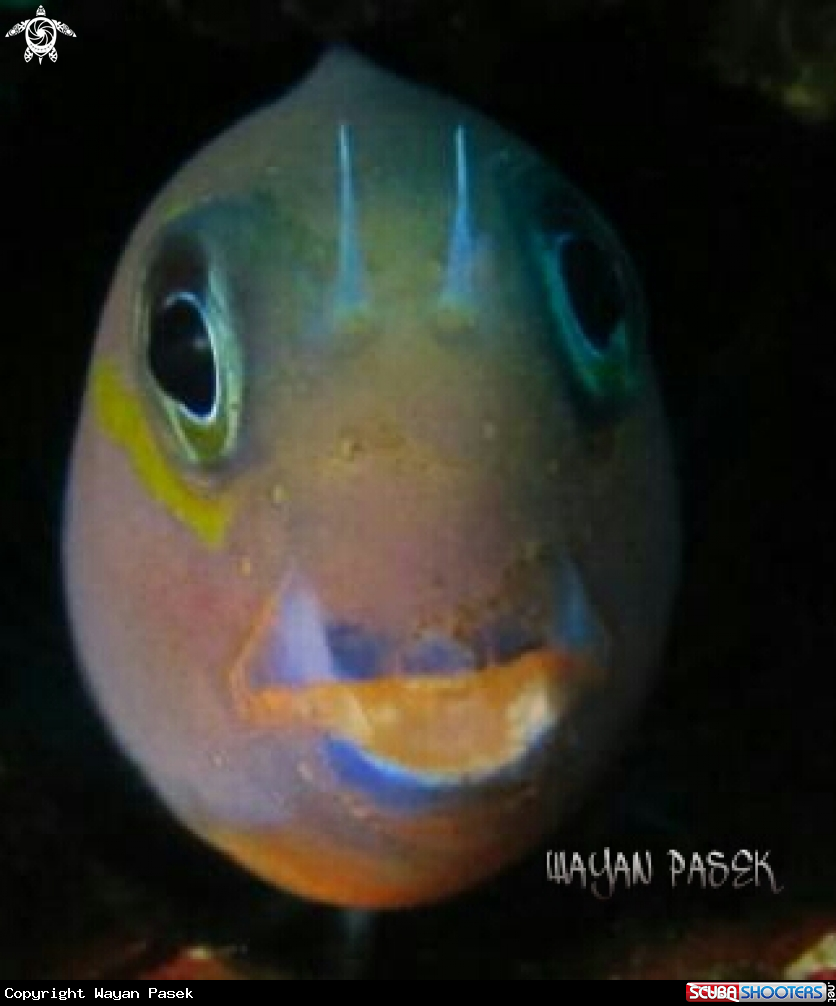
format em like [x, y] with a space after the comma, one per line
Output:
[181, 356]
[594, 288]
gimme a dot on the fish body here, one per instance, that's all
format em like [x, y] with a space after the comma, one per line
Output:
[370, 532]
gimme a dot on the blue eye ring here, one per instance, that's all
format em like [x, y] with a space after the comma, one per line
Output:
[606, 374]
[181, 275]
[198, 403]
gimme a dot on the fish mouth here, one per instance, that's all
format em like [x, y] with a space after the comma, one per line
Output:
[431, 711]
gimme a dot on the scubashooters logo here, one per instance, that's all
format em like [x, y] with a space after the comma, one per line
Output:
[41, 34]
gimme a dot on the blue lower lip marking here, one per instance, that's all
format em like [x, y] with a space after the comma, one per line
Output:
[394, 787]
[359, 654]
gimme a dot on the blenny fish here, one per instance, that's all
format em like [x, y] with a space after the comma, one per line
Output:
[370, 535]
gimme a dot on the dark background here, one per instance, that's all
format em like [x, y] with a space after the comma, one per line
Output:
[726, 198]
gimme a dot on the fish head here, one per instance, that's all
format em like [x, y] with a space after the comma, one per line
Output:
[370, 536]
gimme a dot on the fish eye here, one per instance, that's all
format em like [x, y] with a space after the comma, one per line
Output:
[594, 292]
[181, 355]
[190, 352]
[596, 308]
[592, 297]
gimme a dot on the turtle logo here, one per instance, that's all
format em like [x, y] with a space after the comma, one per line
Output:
[41, 33]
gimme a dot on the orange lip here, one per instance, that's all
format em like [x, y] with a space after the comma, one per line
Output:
[471, 724]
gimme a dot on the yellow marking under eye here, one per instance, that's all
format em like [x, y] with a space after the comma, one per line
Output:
[121, 417]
